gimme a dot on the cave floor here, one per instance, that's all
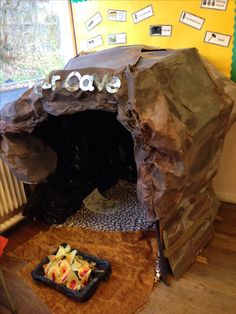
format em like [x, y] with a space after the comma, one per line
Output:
[209, 285]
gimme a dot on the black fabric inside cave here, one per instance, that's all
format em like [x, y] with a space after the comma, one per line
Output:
[94, 150]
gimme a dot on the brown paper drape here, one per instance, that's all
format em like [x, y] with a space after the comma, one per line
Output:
[132, 256]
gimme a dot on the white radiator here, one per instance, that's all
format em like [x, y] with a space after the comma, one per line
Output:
[12, 198]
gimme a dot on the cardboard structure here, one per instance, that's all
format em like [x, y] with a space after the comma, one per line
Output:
[176, 110]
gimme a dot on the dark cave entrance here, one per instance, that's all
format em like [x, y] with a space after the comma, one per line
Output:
[94, 150]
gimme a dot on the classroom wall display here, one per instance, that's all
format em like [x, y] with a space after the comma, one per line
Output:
[214, 4]
[143, 14]
[191, 20]
[116, 15]
[217, 39]
[94, 42]
[117, 39]
[207, 25]
[93, 21]
[160, 30]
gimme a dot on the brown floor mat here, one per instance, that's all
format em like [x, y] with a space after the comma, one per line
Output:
[132, 256]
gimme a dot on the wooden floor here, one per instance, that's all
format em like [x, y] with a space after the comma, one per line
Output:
[206, 288]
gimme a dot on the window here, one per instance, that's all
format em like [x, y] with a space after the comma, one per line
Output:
[35, 38]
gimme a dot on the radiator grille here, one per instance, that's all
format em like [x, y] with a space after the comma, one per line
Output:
[12, 198]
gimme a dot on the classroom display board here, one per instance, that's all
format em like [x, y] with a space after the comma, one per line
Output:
[205, 24]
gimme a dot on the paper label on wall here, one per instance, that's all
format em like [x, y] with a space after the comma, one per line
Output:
[116, 15]
[191, 20]
[160, 30]
[94, 42]
[93, 21]
[142, 14]
[217, 39]
[214, 4]
[117, 38]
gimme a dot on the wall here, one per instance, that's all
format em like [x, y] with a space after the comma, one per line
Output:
[225, 182]
[166, 12]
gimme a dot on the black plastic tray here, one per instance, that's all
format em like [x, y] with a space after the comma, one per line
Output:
[84, 293]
